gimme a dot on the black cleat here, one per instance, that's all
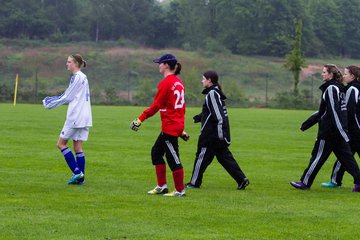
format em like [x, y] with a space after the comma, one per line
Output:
[190, 185]
[243, 184]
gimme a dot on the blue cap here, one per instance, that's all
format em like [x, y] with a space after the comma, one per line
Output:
[166, 58]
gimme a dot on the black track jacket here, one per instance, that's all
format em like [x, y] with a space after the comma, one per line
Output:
[353, 109]
[214, 117]
[332, 113]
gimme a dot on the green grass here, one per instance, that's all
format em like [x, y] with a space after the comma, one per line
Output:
[36, 202]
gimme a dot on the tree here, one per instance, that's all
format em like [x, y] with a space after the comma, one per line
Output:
[19, 19]
[247, 27]
[351, 32]
[162, 25]
[192, 23]
[329, 27]
[295, 60]
[256, 27]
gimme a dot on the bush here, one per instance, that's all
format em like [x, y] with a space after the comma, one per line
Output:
[6, 93]
[187, 47]
[289, 100]
[110, 94]
[235, 97]
[145, 93]
[192, 80]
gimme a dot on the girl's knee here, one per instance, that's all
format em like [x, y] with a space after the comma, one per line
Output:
[78, 146]
[60, 146]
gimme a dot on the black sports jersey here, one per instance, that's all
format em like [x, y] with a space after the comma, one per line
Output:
[332, 113]
[353, 110]
[214, 116]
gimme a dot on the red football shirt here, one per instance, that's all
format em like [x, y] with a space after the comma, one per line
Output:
[170, 101]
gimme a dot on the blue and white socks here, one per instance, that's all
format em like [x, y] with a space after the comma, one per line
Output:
[80, 159]
[70, 160]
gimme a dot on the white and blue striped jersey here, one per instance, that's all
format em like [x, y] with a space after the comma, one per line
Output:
[77, 95]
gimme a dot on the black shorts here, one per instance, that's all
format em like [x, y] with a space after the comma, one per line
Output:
[166, 145]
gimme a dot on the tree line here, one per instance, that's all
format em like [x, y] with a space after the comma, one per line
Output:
[249, 27]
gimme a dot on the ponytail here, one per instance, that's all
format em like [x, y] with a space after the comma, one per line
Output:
[79, 60]
[220, 88]
[337, 75]
[178, 69]
[175, 66]
[214, 78]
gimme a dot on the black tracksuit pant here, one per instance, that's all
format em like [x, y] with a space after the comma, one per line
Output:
[338, 169]
[206, 153]
[322, 150]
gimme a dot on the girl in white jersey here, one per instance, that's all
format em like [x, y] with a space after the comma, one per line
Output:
[78, 118]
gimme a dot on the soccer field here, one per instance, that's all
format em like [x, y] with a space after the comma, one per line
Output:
[37, 203]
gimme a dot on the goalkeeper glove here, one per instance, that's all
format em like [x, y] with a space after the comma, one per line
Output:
[135, 125]
[185, 136]
[197, 118]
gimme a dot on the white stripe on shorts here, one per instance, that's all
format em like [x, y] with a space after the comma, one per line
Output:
[173, 152]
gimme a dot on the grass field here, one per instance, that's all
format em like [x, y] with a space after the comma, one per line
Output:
[37, 203]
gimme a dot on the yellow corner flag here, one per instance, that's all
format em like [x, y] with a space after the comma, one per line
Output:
[16, 87]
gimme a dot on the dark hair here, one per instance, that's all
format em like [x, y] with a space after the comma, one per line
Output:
[332, 68]
[176, 67]
[354, 70]
[214, 78]
[79, 60]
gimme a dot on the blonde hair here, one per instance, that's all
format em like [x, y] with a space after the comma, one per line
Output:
[337, 75]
